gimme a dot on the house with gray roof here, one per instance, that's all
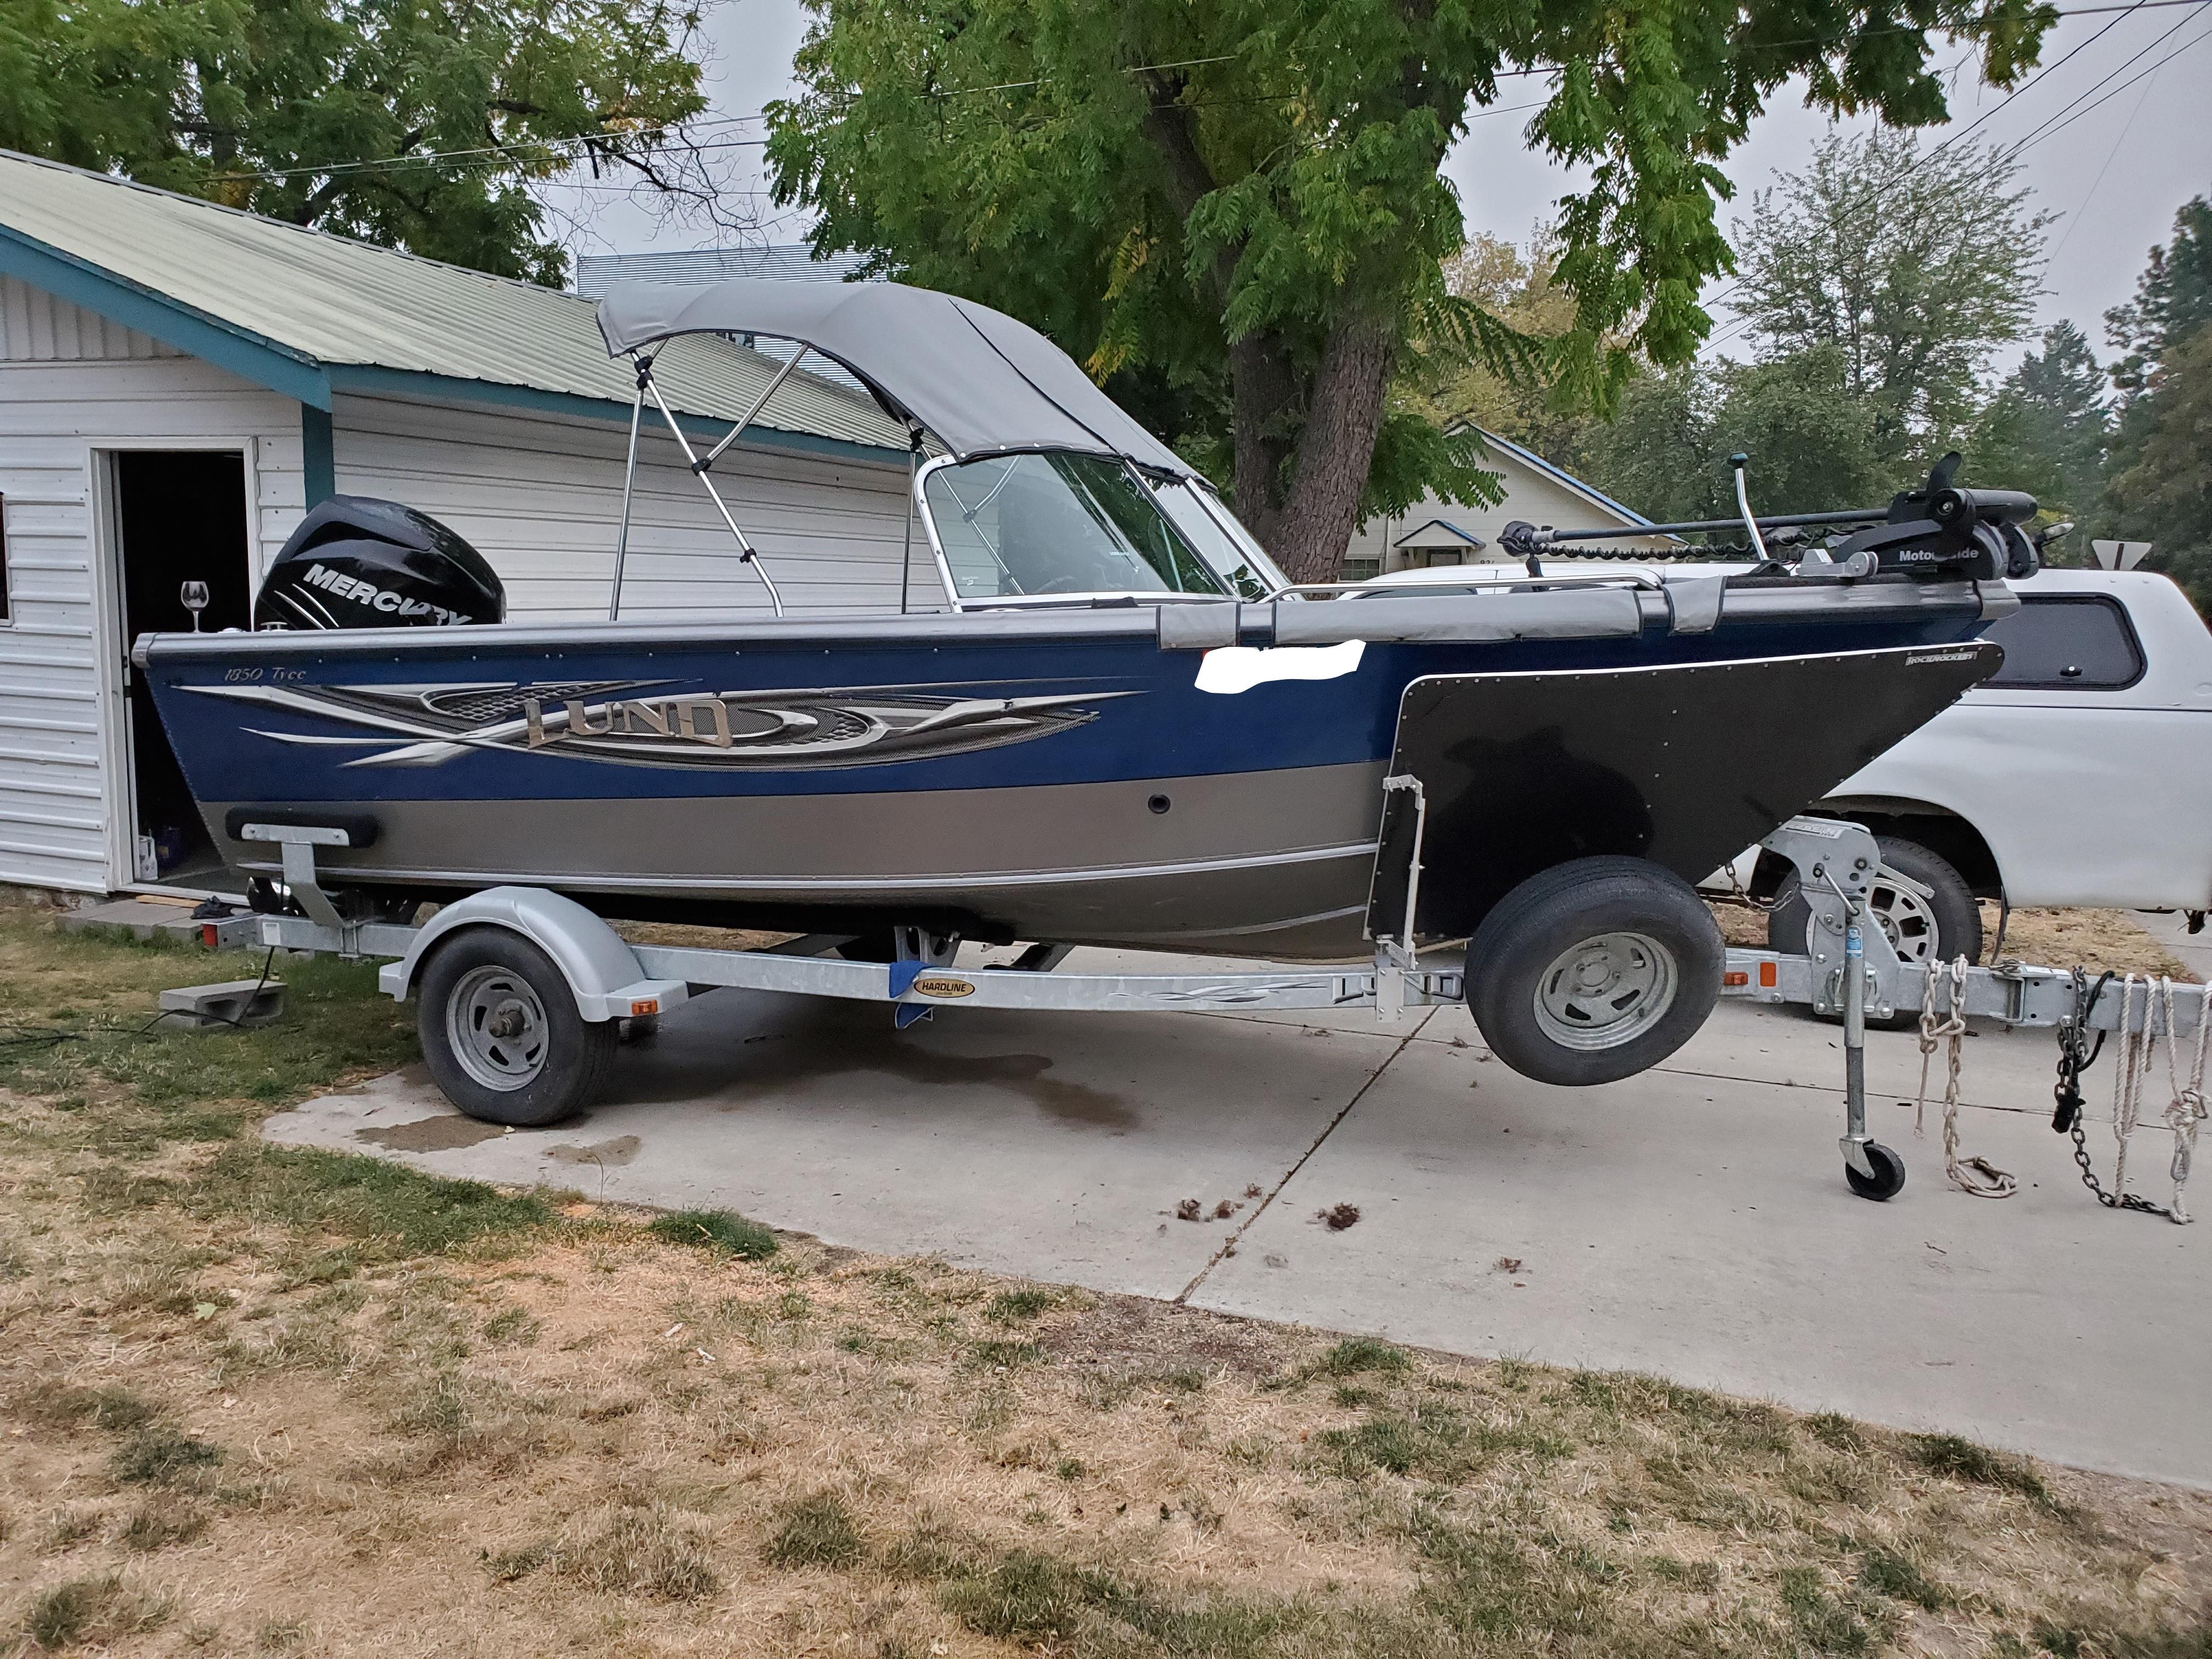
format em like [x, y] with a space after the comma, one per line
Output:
[181, 382]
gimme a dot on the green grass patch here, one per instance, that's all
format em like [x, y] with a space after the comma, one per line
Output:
[1824, 1624]
[1887, 1572]
[91, 1610]
[725, 1232]
[102, 990]
[393, 1210]
[1963, 1460]
[815, 1532]
[1023, 1302]
[1435, 1443]
[161, 1455]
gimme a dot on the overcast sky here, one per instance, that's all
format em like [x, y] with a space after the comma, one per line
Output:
[2117, 171]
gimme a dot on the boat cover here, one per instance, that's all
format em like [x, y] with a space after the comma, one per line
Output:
[982, 383]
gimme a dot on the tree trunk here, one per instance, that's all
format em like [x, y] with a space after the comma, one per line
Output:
[1308, 533]
[1264, 414]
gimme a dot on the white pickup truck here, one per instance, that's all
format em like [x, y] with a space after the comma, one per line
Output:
[2080, 775]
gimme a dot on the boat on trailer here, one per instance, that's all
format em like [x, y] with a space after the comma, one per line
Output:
[1112, 722]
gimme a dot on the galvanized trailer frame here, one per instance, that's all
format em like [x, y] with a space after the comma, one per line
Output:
[1853, 970]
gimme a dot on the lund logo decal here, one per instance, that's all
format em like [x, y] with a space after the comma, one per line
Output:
[637, 723]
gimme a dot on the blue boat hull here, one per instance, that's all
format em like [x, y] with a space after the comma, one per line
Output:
[1058, 776]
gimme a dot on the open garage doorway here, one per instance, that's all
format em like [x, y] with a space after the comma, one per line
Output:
[180, 518]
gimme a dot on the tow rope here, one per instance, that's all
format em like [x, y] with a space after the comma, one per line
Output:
[2185, 1113]
[1974, 1175]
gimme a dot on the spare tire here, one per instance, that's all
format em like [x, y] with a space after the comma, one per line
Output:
[1594, 970]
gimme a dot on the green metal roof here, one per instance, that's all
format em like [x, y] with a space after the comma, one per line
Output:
[310, 315]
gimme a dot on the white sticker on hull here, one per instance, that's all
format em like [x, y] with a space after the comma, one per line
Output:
[1229, 669]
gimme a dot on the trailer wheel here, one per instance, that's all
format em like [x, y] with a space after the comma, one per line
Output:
[501, 1035]
[1923, 932]
[1594, 970]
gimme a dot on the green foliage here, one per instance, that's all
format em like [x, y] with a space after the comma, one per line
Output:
[2173, 299]
[1239, 206]
[723, 1231]
[2159, 482]
[2045, 429]
[1912, 265]
[1812, 444]
[275, 104]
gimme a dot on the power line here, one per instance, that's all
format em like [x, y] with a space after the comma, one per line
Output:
[2074, 222]
[1743, 322]
[2067, 116]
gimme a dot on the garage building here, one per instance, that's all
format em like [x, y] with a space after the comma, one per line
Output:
[181, 382]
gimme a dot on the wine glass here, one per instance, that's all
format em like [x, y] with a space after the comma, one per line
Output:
[195, 596]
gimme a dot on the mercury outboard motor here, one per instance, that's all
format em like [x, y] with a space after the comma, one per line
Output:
[355, 561]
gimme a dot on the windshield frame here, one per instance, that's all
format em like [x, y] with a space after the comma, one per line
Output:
[1145, 489]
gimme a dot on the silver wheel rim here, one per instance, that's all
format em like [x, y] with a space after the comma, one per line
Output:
[496, 1028]
[1606, 991]
[1907, 921]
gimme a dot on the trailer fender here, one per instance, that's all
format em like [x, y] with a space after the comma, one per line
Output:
[602, 971]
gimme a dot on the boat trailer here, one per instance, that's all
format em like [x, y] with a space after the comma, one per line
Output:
[1852, 973]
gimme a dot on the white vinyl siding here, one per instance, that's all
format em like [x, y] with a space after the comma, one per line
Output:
[540, 497]
[72, 384]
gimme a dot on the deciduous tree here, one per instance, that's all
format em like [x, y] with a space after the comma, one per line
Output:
[417, 123]
[1241, 197]
[1913, 265]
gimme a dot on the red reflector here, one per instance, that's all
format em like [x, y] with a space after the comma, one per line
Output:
[1735, 979]
[1766, 974]
[643, 1007]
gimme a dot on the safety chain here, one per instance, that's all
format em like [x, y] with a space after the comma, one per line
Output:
[1974, 1175]
[2183, 1115]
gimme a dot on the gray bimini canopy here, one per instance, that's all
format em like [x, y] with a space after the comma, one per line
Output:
[979, 381]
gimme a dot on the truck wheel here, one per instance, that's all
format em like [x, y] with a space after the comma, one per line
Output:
[1922, 930]
[501, 1035]
[1594, 970]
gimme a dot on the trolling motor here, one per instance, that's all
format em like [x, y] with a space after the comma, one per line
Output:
[1940, 531]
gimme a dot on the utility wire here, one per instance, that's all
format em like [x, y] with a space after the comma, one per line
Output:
[613, 139]
[2074, 222]
[2071, 113]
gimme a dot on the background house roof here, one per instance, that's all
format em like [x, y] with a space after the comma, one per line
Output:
[310, 314]
[1440, 534]
[1597, 498]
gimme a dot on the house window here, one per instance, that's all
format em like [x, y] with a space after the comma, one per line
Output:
[1359, 570]
[1439, 558]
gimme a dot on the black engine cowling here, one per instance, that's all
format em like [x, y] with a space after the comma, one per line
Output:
[356, 562]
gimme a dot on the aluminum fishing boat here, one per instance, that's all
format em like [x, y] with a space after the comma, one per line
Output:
[1109, 720]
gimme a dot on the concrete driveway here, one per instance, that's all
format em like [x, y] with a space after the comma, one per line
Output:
[1692, 1222]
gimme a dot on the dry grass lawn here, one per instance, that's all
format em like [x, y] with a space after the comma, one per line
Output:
[267, 1401]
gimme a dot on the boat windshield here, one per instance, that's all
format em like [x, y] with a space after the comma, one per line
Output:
[1225, 545]
[1025, 525]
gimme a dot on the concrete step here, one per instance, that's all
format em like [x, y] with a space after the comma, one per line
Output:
[238, 1002]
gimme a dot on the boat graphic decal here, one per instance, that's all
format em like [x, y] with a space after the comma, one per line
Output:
[646, 723]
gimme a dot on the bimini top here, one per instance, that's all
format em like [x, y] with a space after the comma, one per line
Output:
[981, 382]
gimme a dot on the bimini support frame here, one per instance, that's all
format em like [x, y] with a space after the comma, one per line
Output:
[646, 385]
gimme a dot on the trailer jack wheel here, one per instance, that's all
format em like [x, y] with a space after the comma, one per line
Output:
[1887, 1179]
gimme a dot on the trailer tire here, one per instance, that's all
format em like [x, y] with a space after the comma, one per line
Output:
[1924, 932]
[1594, 970]
[501, 1035]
